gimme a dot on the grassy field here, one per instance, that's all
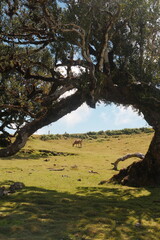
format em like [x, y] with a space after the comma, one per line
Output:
[62, 198]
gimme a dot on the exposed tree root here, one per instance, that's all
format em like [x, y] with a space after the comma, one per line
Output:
[138, 155]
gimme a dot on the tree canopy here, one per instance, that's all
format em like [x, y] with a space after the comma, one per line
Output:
[113, 44]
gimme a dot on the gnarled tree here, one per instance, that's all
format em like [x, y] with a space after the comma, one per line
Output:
[115, 46]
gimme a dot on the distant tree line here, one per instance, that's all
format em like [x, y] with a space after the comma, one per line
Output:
[95, 135]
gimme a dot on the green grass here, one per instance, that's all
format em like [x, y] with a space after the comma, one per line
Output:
[69, 204]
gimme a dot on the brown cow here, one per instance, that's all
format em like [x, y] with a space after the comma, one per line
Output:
[77, 142]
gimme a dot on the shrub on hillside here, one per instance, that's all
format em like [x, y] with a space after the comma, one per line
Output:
[100, 133]
[66, 135]
[91, 133]
[147, 130]
[49, 137]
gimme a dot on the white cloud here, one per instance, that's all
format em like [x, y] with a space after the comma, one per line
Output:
[104, 116]
[62, 70]
[70, 121]
[121, 117]
[78, 116]
[125, 116]
[76, 70]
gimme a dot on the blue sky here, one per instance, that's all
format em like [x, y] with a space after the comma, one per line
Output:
[85, 119]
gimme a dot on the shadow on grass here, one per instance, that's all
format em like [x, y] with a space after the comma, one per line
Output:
[26, 154]
[93, 213]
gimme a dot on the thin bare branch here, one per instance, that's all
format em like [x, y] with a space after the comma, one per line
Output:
[138, 155]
